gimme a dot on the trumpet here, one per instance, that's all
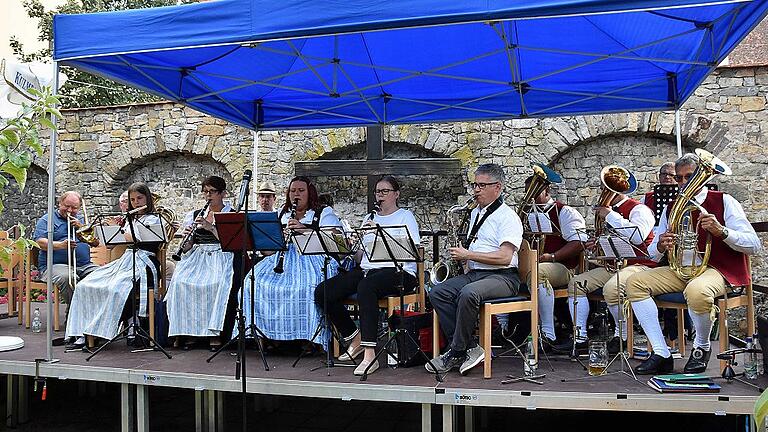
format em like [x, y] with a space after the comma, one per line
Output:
[184, 242]
[281, 254]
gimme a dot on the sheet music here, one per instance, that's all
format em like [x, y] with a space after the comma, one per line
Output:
[110, 234]
[539, 223]
[616, 247]
[149, 233]
[311, 242]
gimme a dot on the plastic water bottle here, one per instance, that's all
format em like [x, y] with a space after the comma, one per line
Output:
[530, 364]
[758, 356]
[750, 361]
[37, 324]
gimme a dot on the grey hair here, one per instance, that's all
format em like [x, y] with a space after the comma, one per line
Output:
[686, 160]
[64, 196]
[495, 171]
[666, 165]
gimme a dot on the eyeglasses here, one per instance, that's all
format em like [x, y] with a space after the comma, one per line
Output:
[681, 178]
[384, 191]
[210, 191]
[666, 174]
[481, 186]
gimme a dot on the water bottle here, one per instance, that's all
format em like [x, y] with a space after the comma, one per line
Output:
[759, 355]
[37, 324]
[750, 361]
[530, 364]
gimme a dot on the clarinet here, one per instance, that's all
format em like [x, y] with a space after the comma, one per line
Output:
[180, 251]
[376, 209]
[281, 254]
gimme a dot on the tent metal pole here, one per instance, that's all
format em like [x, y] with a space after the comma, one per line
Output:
[255, 158]
[678, 138]
[51, 208]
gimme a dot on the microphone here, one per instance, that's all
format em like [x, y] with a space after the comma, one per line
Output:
[244, 189]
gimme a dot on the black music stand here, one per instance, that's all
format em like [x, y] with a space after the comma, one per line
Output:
[237, 233]
[385, 248]
[328, 242]
[141, 233]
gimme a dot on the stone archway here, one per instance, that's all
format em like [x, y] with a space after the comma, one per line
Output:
[175, 176]
[27, 206]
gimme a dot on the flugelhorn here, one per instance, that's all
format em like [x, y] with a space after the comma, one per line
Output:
[281, 254]
[184, 242]
[680, 218]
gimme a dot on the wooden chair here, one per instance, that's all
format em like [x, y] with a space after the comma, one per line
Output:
[417, 299]
[30, 283]
[521, 303]
[12, 276]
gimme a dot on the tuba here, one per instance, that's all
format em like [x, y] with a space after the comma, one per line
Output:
[448, 268]
[681, 216]
[615, 180]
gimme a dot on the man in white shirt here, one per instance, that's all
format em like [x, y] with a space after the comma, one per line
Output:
[266, 196]
[733, 238]
[491, 257]
[630, 219]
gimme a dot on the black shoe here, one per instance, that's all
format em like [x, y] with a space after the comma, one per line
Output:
[551, 346]
[613, 345]
[566, 346]
[74, 346]
[656, 364]
[697, 363]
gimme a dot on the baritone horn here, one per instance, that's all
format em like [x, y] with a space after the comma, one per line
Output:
[681, 219]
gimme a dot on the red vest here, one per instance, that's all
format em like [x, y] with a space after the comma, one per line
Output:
[624, 210]
[650, 201]
[732, 264]
[553, 243]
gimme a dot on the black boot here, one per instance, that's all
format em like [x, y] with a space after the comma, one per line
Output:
[697, 363]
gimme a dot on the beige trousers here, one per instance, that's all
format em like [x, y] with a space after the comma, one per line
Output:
[554, 274]
[602, 278]
[700, 292]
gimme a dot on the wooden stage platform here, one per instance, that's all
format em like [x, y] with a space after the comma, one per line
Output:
[564, 388]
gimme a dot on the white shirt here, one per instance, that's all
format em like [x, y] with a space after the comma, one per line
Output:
[399, 217]
[572, 224]
[640, 217]
[501, 226]
[189, 218]
[741, 236]
[328, 218]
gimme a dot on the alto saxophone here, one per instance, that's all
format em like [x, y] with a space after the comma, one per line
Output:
[448, 268]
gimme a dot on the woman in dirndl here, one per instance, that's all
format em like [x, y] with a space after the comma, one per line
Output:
[200, 299]
[284, 302]
[102, 299]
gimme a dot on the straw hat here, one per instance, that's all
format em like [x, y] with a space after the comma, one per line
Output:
[266, 188]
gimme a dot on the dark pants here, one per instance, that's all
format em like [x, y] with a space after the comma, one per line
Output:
[378, 283]
[233, 300]
[457, 301]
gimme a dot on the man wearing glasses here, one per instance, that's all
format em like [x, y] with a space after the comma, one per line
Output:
[733, 238]
[666, 177]
[490, 255]
[69, 207]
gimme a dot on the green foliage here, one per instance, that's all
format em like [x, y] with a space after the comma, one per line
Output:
[19, 142]
[83, 89]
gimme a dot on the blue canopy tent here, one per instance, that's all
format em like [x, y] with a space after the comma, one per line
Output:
[269, 65]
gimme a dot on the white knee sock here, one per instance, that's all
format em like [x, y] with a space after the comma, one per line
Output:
[580, 320]
[703, 326]
[614, 309]
[648, 316]
[547, 311]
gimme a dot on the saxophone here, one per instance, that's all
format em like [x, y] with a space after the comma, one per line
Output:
[448, 268]
[681, 217]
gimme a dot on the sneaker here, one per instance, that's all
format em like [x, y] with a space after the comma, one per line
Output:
[474, 357]
[445, 362]
[352, 353]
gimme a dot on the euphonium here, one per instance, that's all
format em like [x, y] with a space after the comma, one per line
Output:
[681, 216]
[448, 268]
[543, 176]
[615, 180]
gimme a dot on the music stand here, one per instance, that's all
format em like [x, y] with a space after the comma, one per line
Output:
[238, 233]
[141, 233]
[325, 241]
[384, 247]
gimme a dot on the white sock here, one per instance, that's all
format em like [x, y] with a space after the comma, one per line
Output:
[547, 311]
[703, 326]
[614, 309]
[648, 316]
[580, 320]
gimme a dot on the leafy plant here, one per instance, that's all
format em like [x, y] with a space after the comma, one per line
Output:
[19, 142]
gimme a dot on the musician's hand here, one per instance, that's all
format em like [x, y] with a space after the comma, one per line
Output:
[666, 241]
[547, 257]
[590, 244]
[459, 253]
[709, 222]
[187, 230]
[294, 224]
[205, 224]
[75, 222]
[64, 244]
[369, 224]
[602, 211]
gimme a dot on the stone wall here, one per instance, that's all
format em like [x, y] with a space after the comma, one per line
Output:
[172, 147]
